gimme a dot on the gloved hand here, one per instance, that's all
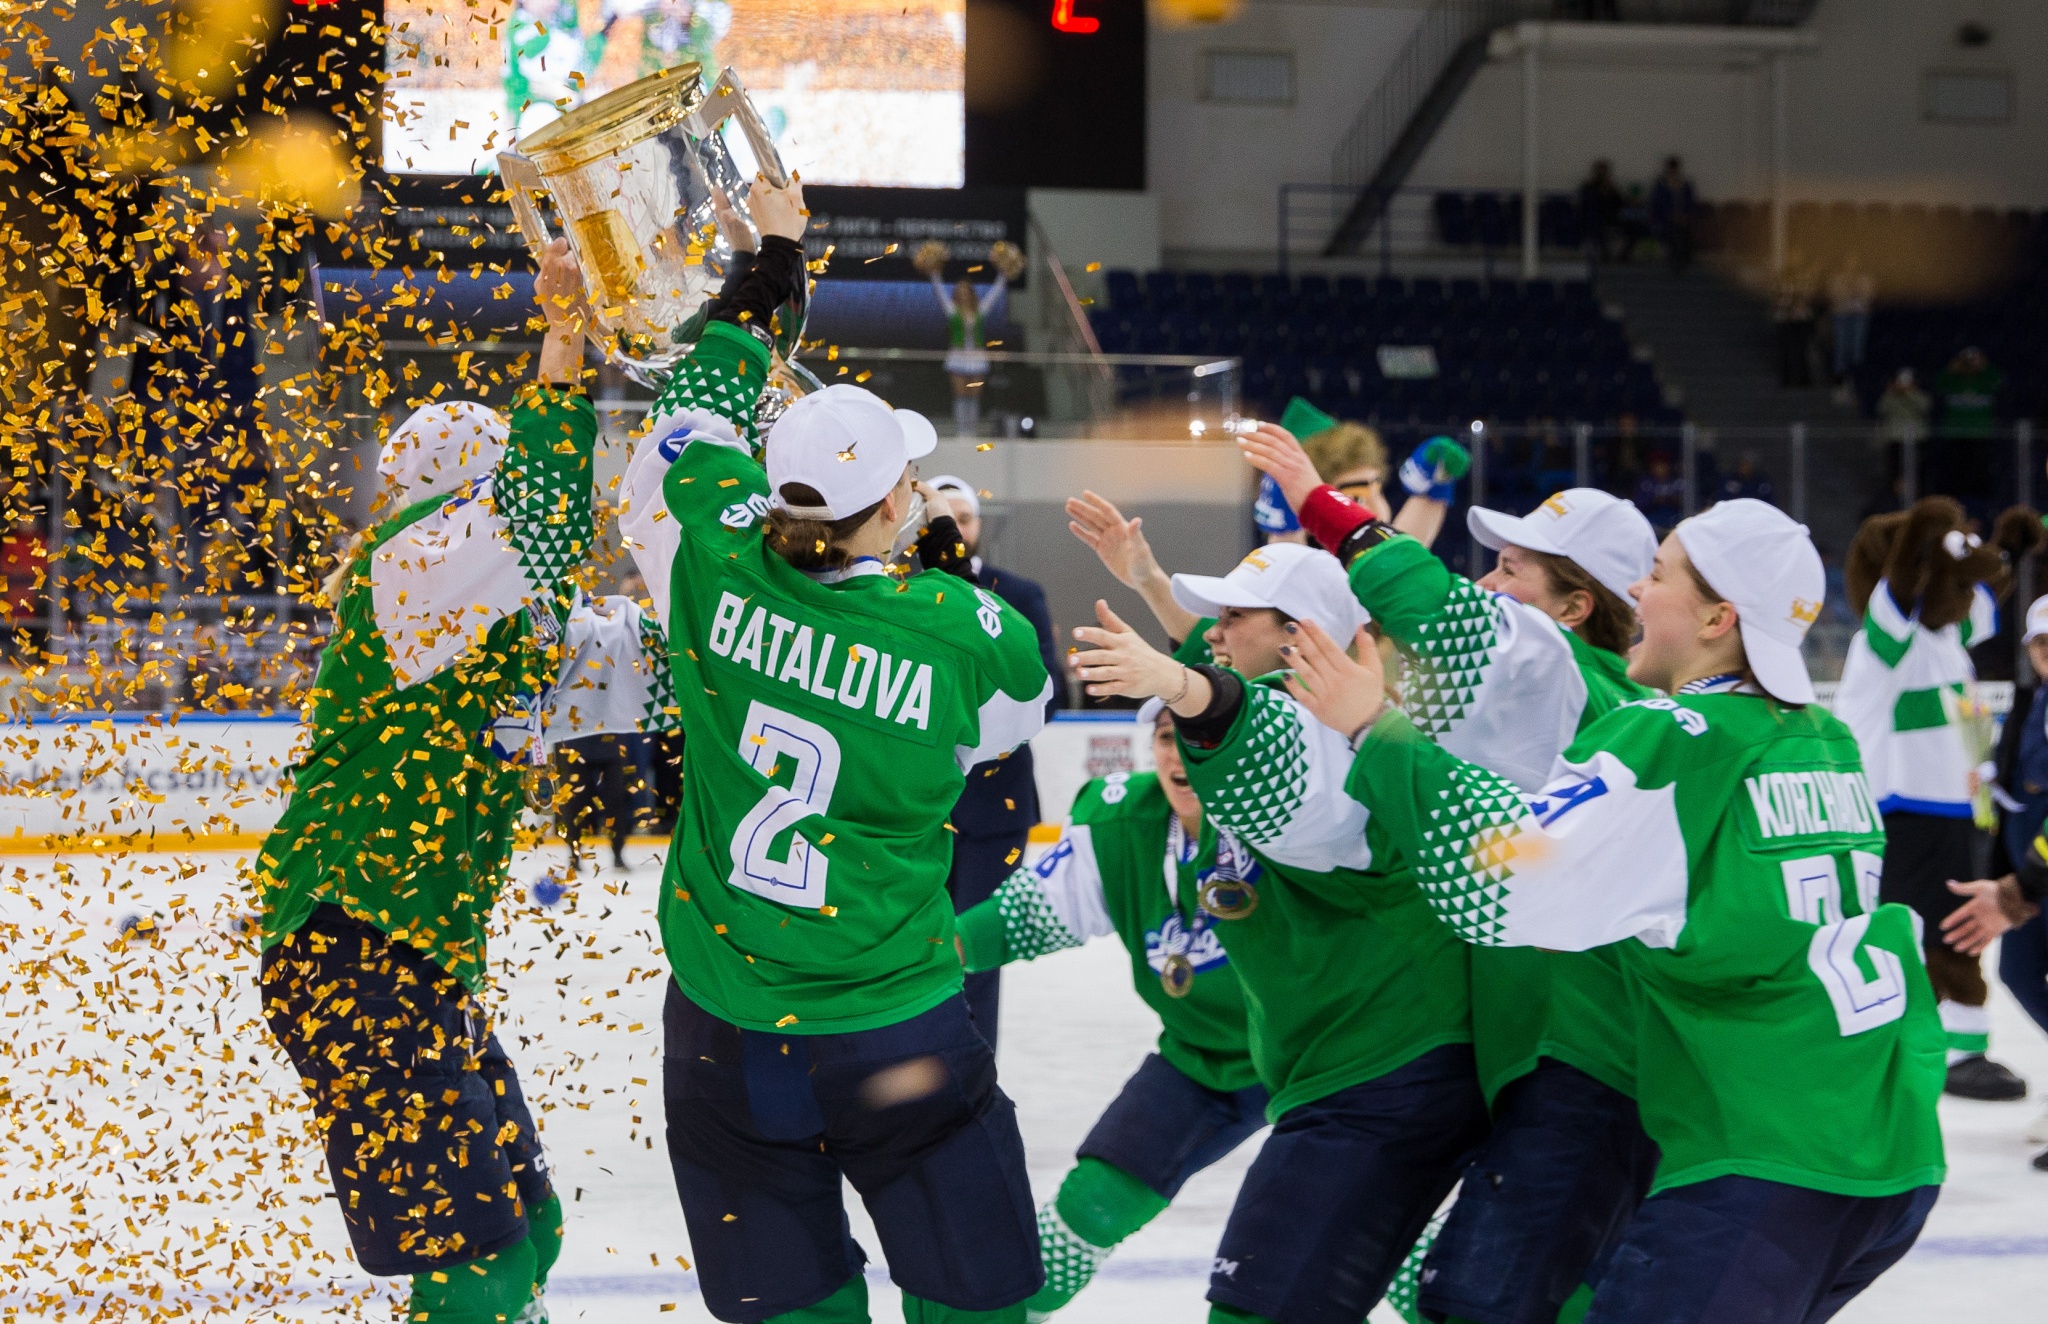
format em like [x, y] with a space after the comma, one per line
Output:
[1435, 468]
[1270, 511]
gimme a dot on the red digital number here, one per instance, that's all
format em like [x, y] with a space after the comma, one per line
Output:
[1064, 18]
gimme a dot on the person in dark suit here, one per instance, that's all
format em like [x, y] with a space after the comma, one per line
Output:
[993, 818]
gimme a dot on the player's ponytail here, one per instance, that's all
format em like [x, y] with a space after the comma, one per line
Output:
[812, 544]
[336, 582]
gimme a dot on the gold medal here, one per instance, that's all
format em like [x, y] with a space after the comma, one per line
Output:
[1178, 976]
[1229, 898]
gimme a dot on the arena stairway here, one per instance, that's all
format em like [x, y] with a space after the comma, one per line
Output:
[1714, 342]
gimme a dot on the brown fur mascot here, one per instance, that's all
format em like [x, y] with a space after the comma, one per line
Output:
[1927, 590]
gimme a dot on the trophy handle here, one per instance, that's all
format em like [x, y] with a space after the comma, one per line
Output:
[729, 97]
[522, 181]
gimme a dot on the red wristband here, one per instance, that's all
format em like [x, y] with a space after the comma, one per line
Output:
[1330, 517]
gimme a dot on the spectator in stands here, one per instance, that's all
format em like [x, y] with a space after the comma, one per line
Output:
[1622, 454]
[1599, 210]
[24, 590]
[1674, 207]
[1633, 221]
[1969, 395]
[1552, 465]
[1903, 412]
[1851, 291]
[1747, 480]
[1792, 311]
[1968, 390]
[1660, 493]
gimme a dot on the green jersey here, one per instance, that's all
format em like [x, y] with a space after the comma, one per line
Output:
[444, 648]
[1346, 974]
[1124, 865]
[1499, 683]
[831, 719]
[1730, 848]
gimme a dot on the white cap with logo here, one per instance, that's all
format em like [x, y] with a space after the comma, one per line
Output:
[2037, 620]
[848, 445]
[1757, 557]
[960, 488]
[1307, 583]
[1603, 535]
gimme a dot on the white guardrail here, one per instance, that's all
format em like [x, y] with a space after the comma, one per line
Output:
[140, 782]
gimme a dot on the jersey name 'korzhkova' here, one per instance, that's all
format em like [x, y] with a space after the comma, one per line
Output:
[863, 670]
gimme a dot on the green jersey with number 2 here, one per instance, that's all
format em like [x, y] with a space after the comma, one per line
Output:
[1730, 848]
[831, 720]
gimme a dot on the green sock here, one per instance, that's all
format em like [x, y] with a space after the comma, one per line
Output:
[848, 1305]
[1402, 1293]
[1575, 1308]
[492, 1290]
[1098, 1205]
[1222, 1314]
[917, 1310]
[544, 1231]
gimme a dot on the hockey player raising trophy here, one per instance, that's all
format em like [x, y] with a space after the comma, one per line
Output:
[643, 184]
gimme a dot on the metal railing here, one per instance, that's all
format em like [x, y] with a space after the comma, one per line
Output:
[1403, 228]
[1830, 478]
[1443, 30]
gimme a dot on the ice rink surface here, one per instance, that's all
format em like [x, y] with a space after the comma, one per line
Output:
[189, 1188]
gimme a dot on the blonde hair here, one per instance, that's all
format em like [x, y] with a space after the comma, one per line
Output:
[336, 582]
[1346, 447]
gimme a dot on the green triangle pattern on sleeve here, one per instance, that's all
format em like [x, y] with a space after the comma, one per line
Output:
[1031, 928]
[1450, 658]
[1268, 777]
[1465, 860]
[663, 713]
[723, 375]
[550, 527]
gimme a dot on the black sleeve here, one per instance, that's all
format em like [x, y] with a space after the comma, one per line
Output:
[1363, 539]
[939, 546]
[1206, 729]
[736, 271]
[776, 274]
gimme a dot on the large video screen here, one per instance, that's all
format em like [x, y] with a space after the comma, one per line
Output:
[856, 91]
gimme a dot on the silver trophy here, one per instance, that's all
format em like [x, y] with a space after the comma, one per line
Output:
[633, 176]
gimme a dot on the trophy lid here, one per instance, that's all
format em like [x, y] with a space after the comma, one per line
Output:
[616, 120]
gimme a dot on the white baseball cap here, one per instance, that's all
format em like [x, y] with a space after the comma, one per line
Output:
[1755, 556]
[968, 496]
[2037, 620]
[1307, 583]
[1603, 535]
[441, 447]
[849, 445]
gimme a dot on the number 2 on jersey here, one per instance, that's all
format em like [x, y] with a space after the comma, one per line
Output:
[1813, 894]
[771, 741]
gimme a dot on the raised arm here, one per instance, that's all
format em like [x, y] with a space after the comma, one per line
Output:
[710, 399]
[1264, 769]
[1596, 856]
[1120, 544]
[508, 541]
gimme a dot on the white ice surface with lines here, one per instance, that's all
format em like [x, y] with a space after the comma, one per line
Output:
[1072, 1031]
